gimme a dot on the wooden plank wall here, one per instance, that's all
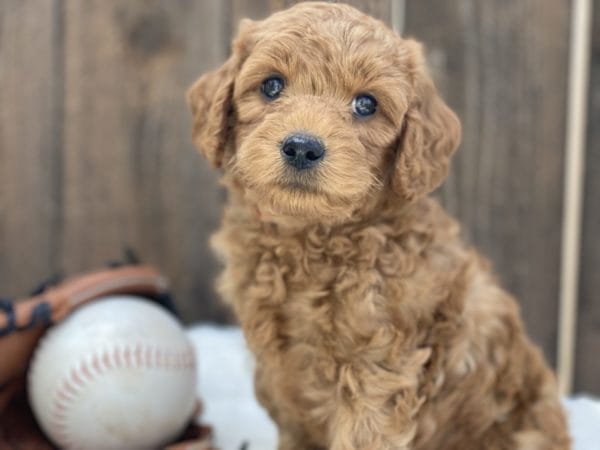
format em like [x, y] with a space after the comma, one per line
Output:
[502, 67]
[95, 150]
[587, 374]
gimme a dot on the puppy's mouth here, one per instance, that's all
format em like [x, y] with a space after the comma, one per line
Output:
[294, 200]
[305, 181]
[299, 187]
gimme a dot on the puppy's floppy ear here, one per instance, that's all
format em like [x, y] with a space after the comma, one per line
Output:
[430, 135]
[210, 98]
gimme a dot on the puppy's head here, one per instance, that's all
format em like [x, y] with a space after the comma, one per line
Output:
[321, 111]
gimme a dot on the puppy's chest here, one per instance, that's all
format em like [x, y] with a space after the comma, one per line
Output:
[322, 285]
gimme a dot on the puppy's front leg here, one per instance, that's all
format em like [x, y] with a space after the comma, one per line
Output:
[292, 441]
[370, 429]
[377, 407]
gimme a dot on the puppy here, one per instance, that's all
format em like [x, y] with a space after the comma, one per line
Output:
[373, 324]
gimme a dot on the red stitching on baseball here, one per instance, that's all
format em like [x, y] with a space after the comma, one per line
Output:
[75, 378]
[96, 364]
[85, 371]
[127, 357]
[81, 374]
[117, 358]
[158, 357]
[69, 389]
[137, 354]
[148, 357]
[60, 425]
[105, 359]
[59, 405]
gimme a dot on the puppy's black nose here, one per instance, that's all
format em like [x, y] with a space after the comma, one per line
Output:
[302, 150]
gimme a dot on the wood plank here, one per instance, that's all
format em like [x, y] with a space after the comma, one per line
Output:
[259, 9]
[95, 141]
[31, 116]
[251, 9]
[131, 175]
[587, 373]
[377, 8]
[502, 67]
[244, 9]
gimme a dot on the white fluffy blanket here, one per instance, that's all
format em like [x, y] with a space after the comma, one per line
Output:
[225, 386]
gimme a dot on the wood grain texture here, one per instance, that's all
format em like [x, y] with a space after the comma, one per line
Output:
[587, 373]
[250, 9]
[31, 105]
[259, 9]
[96, 141]
[503, 67]
[380, 9]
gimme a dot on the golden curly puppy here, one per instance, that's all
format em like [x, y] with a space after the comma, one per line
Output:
[374, 325]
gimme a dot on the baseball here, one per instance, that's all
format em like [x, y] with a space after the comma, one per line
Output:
[117, 373]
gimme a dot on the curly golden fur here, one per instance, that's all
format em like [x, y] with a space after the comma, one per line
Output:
[373, 324]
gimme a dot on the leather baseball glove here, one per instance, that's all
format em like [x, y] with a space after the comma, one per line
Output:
[24, 321]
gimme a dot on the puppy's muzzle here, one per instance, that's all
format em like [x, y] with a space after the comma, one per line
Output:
[302, 150]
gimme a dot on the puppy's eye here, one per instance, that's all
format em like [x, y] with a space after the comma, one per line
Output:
[364, 105]
[272, 87]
